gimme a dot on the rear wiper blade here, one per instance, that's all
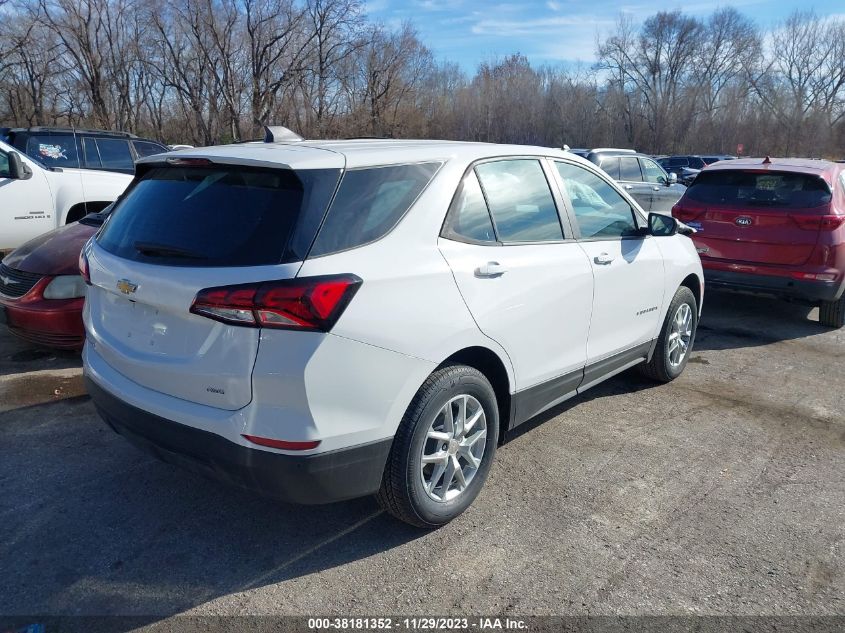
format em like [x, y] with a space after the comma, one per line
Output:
[93, 219]
[152, 249]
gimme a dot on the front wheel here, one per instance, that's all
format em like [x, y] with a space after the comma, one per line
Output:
[674, 343]
[443, 449]
[832, 313]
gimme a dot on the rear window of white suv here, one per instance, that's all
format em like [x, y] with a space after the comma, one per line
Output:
[219, 215]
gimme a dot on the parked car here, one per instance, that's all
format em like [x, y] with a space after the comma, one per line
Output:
[41, 290]
[72, 148]
[687, 167]
[35, 199]
[413, 300]
[772, 226]
[641, 176]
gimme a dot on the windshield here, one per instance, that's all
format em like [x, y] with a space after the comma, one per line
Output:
[760, 188]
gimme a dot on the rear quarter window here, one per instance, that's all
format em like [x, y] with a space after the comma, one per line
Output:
[369, 203]
[760, 189]
[148, 148]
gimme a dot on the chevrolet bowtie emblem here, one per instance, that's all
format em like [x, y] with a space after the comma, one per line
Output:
[126, 286]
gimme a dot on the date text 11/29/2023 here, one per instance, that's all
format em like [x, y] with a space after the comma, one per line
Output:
[416, 624]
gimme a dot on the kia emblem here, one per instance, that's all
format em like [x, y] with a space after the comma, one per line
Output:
[743, 220]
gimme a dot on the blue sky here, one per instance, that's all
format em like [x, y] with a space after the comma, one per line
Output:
[470, 31]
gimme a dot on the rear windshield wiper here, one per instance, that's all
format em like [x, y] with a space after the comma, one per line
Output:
[94, 219]
[152, 249]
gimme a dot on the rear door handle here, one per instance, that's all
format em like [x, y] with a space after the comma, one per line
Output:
[490, 269]
[656, 188]
[603, 259]
[629, 187]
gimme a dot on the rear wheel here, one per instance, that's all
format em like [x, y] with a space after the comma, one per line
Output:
[676, 338]
[443, 449]
[832, 313]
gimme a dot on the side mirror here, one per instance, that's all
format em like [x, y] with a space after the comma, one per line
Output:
[660, 225]
[17, 168]
[673, 178]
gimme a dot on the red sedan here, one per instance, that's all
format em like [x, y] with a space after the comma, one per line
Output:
[772, 226]
[41, 290]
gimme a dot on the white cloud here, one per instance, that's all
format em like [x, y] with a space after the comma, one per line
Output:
[436, 5]
[553, 6]
[536, 26]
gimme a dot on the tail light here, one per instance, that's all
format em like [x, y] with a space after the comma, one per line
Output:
[684, 215]
[83, 267]
[819, 222]
[310, 303]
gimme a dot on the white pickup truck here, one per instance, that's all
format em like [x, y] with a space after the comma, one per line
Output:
[35, 199]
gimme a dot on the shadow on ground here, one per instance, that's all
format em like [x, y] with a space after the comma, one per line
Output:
[733, 320]
[92, 526]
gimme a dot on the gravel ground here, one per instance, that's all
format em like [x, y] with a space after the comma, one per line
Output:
[720, 493]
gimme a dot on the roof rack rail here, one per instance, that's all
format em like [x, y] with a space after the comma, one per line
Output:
[71, 130]
[280, 134]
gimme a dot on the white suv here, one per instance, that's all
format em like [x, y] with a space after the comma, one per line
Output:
[35, 198]
[322, 320]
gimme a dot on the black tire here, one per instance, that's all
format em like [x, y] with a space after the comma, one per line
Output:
[659, 368]
[832, 313]
[402, 492]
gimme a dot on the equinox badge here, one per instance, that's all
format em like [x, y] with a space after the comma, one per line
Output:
[126, 286]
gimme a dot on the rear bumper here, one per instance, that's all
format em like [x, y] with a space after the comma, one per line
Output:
[778, 286]
[52, 323]
[306, 479]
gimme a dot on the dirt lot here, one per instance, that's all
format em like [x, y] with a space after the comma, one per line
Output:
[721, 493]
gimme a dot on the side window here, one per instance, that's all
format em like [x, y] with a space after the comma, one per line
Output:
[468, 217]
[92, 156]
[147, 148]
[629, 169]
[520, 201]
[610, 166]
[4, 165]
[652, 172]
[369, 203]
[115, 154]
[53, 151]
[601, 212]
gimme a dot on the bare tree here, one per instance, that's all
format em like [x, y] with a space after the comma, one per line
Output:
[211, 71]
[656, 64]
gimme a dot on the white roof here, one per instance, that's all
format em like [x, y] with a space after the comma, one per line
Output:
[317, 154]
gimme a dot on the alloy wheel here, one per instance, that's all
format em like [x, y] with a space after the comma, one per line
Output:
[680, 335]
[453, 448]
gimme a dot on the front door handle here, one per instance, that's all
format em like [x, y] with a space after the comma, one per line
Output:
[629, 187]
[655, 188]
[603, 259]
[490, 269]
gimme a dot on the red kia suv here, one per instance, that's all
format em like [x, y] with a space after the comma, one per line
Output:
[773, 226]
